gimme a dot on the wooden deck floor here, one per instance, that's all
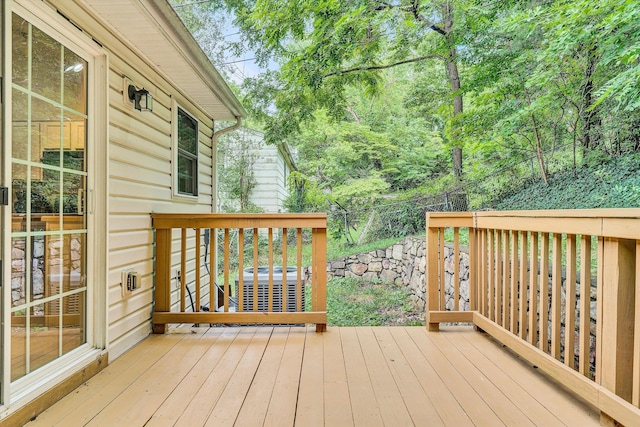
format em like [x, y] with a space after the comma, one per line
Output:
[392, 376]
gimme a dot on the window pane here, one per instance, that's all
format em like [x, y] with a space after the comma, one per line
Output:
[187, 133]
[185, 175]
[46, 65]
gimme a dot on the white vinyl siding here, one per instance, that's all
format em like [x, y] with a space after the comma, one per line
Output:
[140, 180]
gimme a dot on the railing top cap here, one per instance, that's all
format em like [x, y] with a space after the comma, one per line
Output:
[266, 220]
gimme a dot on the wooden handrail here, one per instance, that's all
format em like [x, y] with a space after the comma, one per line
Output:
[185, 231]
[528, 269]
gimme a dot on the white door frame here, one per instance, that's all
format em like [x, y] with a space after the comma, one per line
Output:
[14, 395]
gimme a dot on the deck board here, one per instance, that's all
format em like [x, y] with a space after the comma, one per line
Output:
[337, 405]
[287, 376]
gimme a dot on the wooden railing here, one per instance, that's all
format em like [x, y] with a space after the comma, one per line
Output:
[185, 243]
[536, 280]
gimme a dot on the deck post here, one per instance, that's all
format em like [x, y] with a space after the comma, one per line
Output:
[319, 274]
[616, 328]
[162, 282]
[431, 275]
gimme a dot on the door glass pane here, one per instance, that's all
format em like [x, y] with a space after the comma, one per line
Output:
[74, 154]
[20, 51]
[18, 344]
[48, 133]
[18, 271]
[73, 199]
[75, 82]
[19, 197]
[45, 197]
[73, 318]
[38, 268]
[20, 125]
[73, 261]
[44, 334]
[46, 65]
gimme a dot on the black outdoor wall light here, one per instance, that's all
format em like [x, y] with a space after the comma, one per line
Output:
[142, 99]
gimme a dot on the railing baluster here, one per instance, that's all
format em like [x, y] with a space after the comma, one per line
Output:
[498, 278]
[241, 270]
[197, 240]
[556, 295]
[570, 299]
[544, 293]
[599, 309]
[299, 284]
[270, 289]
[522, 295]
[473, 269]
[585, 305]
[533, 288]
[283, 298]
[635, 395]
[456, 268]
[491, 275]
[213, 291]
[183, 268]
[256, 264]
[505, 280]
[226, 271]
[515, 266]
[442, 269]
[483, 272]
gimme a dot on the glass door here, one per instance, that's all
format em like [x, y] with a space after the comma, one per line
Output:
[48, 185]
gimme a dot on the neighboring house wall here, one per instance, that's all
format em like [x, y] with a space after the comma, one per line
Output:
[272, 166]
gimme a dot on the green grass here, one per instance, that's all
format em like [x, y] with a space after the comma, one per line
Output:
[352, 302]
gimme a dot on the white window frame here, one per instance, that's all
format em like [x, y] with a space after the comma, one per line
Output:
[175, 107]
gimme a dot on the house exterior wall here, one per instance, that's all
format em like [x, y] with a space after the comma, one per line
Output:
[140, 177]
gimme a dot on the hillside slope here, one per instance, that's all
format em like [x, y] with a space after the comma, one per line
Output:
[613, 184]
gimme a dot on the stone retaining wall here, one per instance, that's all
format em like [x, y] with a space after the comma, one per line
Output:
[404, 264]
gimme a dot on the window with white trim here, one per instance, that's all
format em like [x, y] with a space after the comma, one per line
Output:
[187, 154]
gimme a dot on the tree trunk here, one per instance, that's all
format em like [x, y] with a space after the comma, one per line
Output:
[454, 81]
[591, 139]
[539, 153]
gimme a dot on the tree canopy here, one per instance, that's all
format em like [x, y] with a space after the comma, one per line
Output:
[371, 92]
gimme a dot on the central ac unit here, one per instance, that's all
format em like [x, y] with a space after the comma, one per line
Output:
[291, 278]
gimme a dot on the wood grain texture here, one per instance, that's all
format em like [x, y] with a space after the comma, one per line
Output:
[285, 376]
